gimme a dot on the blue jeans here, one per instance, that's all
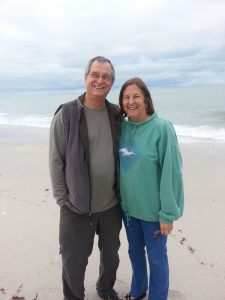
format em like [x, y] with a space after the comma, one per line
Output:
[140, 236]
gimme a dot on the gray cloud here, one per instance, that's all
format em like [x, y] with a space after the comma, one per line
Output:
[46, 44]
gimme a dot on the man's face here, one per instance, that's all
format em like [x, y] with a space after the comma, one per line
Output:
[99, 80]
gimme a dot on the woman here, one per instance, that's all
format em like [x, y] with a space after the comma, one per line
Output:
[151, 188]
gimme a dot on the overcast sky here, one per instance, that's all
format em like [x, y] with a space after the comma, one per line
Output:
[45, 44]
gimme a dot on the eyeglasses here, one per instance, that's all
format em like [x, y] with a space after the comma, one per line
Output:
[104, 77]
[135, 97]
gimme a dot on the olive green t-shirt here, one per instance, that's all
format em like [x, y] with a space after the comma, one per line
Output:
[102, 164]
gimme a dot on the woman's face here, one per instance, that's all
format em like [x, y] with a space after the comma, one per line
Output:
[134, 103]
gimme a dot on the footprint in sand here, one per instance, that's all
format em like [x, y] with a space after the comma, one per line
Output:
[182, 240]
[191, 250]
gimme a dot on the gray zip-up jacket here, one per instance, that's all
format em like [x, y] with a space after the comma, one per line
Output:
[69, 154]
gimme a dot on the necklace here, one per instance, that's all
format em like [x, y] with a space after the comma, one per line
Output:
[131, 139]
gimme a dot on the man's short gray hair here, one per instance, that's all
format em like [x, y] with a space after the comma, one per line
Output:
[101, 59]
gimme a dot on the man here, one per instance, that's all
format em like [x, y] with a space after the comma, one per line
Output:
[83, 168]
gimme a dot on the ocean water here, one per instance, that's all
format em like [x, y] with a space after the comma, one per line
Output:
[198, 113]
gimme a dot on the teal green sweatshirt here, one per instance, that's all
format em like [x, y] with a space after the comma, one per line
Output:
[151, 182]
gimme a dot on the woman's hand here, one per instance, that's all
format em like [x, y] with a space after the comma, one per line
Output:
[166, 229]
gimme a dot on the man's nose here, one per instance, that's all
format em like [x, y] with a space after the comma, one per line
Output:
[100, 79]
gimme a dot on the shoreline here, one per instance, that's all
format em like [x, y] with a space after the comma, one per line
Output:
[187, 134]
[31, 266]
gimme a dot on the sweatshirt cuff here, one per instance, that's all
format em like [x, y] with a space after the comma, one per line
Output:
[166, 218]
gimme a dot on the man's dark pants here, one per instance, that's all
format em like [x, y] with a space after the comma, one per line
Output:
[76, 237]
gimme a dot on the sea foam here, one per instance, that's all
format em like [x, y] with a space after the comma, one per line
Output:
[185, 133]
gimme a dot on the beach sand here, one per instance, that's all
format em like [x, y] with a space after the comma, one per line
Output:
[30, 264]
